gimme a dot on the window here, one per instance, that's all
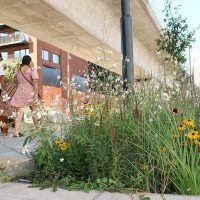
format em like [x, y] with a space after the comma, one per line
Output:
[17, 34]
[80, 82]
[45, 55]
[50, 76]
[20, 53]
[3, 34]
[56, 59]
[4, 55]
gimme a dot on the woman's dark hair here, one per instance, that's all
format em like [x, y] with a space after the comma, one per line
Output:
[26, 60]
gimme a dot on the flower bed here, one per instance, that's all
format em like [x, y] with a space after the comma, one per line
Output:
[145, 141]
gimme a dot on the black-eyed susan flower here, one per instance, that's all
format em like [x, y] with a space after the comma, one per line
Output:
[189, 122]
[181, 127]
[59, 141]
[62, 144]
[193, 135]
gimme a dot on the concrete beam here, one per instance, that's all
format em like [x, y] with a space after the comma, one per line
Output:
[80, 26]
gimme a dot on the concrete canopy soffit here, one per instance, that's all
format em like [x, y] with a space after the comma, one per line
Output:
[80, 26]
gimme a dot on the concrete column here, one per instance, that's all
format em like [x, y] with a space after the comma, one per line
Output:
[127, 42]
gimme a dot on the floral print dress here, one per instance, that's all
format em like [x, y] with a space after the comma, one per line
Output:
[24, 94]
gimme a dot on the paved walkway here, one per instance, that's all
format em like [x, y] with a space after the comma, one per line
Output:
[18, 191]
[13, 160]
[11, 151]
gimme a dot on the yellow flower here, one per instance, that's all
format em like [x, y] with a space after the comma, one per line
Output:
[193, 135]
[86, 104]
[189, 122]
[63, 148]
[181, 127]
[144, 168]
[91, 113]
[59, 141]
[162, 149]
[197, 142]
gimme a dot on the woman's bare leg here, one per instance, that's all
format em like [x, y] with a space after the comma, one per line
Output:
[18, 120]
[34, 115]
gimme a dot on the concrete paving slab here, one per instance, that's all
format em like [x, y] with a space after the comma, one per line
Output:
[18, 191]
[11, 151]
[12, 158]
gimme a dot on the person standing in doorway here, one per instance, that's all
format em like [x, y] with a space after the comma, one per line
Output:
[26, 93]
[2, 78]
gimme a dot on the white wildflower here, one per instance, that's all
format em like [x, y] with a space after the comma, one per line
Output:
[13, 115]
[75, 102]
[25, 150]
[99, 48]
[178, 43]
[99, 58]
[5, 97]
[126, 59]
[150, 120]
[62, 160]
[158, 52]
[82, 106]
[96, 124]
[123, 96]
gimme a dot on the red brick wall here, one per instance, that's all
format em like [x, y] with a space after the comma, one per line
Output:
[76, 65]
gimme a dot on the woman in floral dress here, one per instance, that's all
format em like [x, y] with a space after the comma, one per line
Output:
[26, 93]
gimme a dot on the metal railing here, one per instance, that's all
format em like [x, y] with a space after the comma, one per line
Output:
[13, 38]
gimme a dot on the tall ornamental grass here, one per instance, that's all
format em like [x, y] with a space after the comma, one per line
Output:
[144, 139]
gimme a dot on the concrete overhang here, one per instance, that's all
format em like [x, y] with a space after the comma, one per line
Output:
[80, 26]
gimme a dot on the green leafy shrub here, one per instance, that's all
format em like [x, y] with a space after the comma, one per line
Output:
[10, 67]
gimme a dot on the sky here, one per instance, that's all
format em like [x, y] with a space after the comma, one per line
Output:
[190, 9]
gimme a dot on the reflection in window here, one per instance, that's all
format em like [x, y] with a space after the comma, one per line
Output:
[4, 55]
[80, 82]
[45, 55]
[20, 53]
[56, 59]
[50, 76]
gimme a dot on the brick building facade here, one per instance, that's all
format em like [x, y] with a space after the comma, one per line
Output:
[52, 62]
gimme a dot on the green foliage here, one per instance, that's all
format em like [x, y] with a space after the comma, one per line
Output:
[116, 148]
[4, 176]
[10, 67]
[126, 142]
[175, 37]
